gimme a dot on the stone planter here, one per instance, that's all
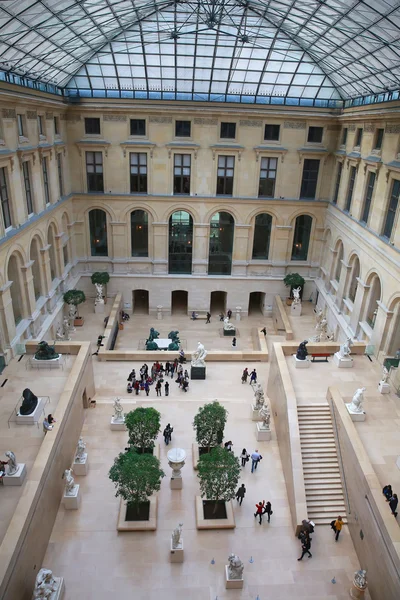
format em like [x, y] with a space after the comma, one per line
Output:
[149, 524]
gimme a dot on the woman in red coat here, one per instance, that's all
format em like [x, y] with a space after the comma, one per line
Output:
[259, 512]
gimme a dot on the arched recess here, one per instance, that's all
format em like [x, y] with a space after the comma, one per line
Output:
[222, 227]
[14, 274]
[139, 233]
[339, 253]
[354, 264]
[34, 255]
[180, 243]
[51, 240]
[301, 237]
[262, 236]
[98, 232]
[374, 296]
[392, 329]
[66, 248]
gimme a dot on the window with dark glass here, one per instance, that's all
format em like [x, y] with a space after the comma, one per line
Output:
[139, 233]
[182, 173]
[40, 124]
[94, 171]
[268, 168]
[45, 180]
[182, 128]
[262, 236]
[359, 135]
[226, 166]
[20, 123]
[368, 197]
[28, 190]
[344, 136]
[56, 126]
[337, 183]
[4, 198]
[391, 210]
[301, 238]
[60, 174]
[138, 127]
[98, 232]
[180, 243]
[92, 125]
[222, 228]
[228, 131]
[271, 132]
[315, 134]
[379, 139]
[350, 189]
[138, 172]
[310, 178]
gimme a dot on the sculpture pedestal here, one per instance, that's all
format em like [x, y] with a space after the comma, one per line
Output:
[229, 332]
[159, 312]
[238, 309]
[255, 414]
[356, 592]
[384, 387]
[232, 584]
[301, 364]
[342, 363]
[72, 501]
[176, 483]
[117, 425]
[295, 310]
[99, 308]
[59, 593]
[176, 554]
[81, 468]
[262, 434]
[197, 372]
[33, 417]
[17, 478]
[355, 416]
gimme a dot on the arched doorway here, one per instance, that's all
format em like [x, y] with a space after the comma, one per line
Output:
[180, 243]
[256, 303]
[217, 302]
[140, 302]
[179, 302]
[222, 226]
[374, 296]
[14, 275]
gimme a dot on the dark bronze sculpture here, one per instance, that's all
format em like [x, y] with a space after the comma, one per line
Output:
[302, 351]
[45, 352]
[29, 402]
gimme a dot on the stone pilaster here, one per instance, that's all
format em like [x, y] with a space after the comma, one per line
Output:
[343, 280]
[45, 268]
[7, 314]
[240, 250]
[359, 301]
[160, 231]
[29, 291]
[201, 236]
[382, 324]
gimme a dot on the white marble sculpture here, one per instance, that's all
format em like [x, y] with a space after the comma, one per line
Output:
[68, 327]
[100, 294]
[259, 396]
[45, 585]
[235, 567]
[360, 579]
[176, 537]
[345, 351]
[296, 295]
[72, 311]
[60, 336]
[319, 315]
[265, 414]
[118, 411]
[12, 463]
[80, 451]
[228, 326]
[199, 356]
[385, 375]
[69, 482]
[356, 405]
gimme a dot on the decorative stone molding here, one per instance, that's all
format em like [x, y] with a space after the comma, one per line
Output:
[322, 154]
[200, 121]
[119, 118]
[334, 128]
[390, 128]
[31, 115]
[94, 145]
[9, 113]
[72, 118]
[24, 155]
[369, 127]
[294, 124]
[182, 146]
[160, 120]
[49, 116]
[270, 152]
[250, 123]
[137, 146]
[352, 127]
[227, 148]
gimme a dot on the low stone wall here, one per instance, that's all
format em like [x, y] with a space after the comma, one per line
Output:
[111, 331]
[212, 356]
[281, 319]
[289, 348]
[374, 531]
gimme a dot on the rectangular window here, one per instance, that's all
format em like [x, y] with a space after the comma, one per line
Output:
[138, 127]
[45, 180]
[28, 189]
[271, 132]
[379, 139]
[359, 135]
[60, 174]
[344, 136]
[391, 210]
[5, 201]
[182, 173]
[138, 172]
[182, 128]
[94, 171]
[40, 124]
[226, 167]
[20, 123]
[337, 184]
[92, 126]
[56, 126]
[310, 178]
[228, 131]
[266, 187]
[350, 189]
[315, 134]
[368, 197]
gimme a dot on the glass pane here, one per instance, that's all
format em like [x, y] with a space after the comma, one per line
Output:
[98, 232]
[139, 233]
[222, 227]
[301, 238]
[180, 243]
[262, 235]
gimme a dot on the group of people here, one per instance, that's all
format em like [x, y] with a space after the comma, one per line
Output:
[262, 507]
[391, 498]
[253, 376]
[158, 375]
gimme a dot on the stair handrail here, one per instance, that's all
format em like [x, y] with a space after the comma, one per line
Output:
[340, 459]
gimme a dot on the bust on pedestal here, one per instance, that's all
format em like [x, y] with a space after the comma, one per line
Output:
[72, 497]
[342, 357]
[198, 364]
[81, 465]
[234, 573]
[176, 460]
[118, 418]
[355, 407]
[176, 554]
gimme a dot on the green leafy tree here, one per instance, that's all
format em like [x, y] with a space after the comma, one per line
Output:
[101, 277]
[209, 424]
[74, 297]
[136, 477]
[294, 280]
[219, 473]
[143, 425]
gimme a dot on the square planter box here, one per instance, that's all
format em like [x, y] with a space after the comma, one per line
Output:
[229, 332]
[79, 322]
[149, 525]
[202, 523]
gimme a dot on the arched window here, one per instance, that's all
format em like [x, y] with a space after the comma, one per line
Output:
[52, 251]
[35, 257]
[98, 232]
[222, 228]
[339, 258]
[180, 242]
[139, 233]
[14, 275]
[262, 236]
[355, 274]
[301, 238]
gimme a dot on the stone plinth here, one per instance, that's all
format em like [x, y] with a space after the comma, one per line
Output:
[301, 364]
[295, 310]
[17, 478]
[197, 372]
[342, 362]
[229, 332]
[117, 425]
[262, 434]
[81, 468]
[99, 308]
[355, 416]
[237, 311]
[59, 593]
[356, 592]
[232, 584]
[383, 387]
[176, 483]
[33, 417]
[72, 501]
[176, 554]
[159, 312]
[255, 416]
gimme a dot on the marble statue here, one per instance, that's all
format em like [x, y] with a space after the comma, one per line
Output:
[67, 328]
[355, 405]
[360, 579]
[302, 351]
[60, 335]
[345, 351]
[296, 295]
[319, 315]
[235, 567]
[385, 375]
[228, 326]
[80, 450]
[45, 585]
[176, 536]
[45, 352]
[29, 402]
[12, 463]
[72, 311]
[69, 482]
[118, 411]
[199, 356]
[259, 396]
[99, 292]
[175, 342]
[266, 416]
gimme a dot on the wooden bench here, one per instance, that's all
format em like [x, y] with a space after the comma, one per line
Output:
[320, 356]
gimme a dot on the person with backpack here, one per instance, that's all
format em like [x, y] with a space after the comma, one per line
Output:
[240, 494]
[167, 433]
[268, 510]
[305, 544]
[245, 456]
[393, 502]
[337, 528]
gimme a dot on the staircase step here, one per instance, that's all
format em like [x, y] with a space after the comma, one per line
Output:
[307, 428]
[324, 488]
[334, 510]
[310, 461]
[322, 474]
[324, 504]
[318, 454]
[325, 521]
[321, 465]
[318, 443]
[313, 404]
[317, 435]
[314, 418]
[324, 493]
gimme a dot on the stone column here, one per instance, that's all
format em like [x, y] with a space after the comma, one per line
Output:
[382, 322]
[344, 273]
[280, 250]
[362, 291]
[7, 314]
[201, 237]
[29, 295]
[45, 267]
[160, 233]
[240, 246]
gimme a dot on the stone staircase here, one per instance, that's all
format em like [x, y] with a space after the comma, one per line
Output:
[324, 493]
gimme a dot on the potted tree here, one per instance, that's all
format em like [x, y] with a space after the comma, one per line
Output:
[74, 298]
[209, 425]
[136, 478]
[143, 425]
[219, 473]
[293, 280]
[101, 277]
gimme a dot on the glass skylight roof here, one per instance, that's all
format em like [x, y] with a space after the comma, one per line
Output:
[323, 50]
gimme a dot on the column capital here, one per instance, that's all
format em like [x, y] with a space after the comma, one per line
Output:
[362, 283]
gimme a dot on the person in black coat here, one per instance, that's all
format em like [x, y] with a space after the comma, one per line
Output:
[387, 492]
[268, 510]
[393, 502]
[305, 545]
[240, 494]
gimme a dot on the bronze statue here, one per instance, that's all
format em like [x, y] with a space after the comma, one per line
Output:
[29, 402]
[45, 352]
[302, 351]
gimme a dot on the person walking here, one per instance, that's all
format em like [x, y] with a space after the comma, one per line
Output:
[221, 316]
[253, 376]
[229, 314]
[146, 387]
[208, 318]
[387, 492]
[244, 457]
[245, 375]
[240, 494]
[158, 388]
[264, 331]
[259, 511]
[338, 527]
[255, 459]
[393, 502]
[228, 446]
[136, 386]
[166, 387]
[167, 433]
[234, 343]
[305, 545]
[268, 511]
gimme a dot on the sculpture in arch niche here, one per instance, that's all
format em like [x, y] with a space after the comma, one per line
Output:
[29, 402]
